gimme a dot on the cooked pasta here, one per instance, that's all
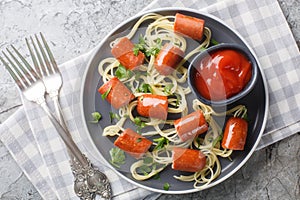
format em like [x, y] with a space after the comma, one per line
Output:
[161, 28]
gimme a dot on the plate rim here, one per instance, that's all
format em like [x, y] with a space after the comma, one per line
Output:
[136, 16]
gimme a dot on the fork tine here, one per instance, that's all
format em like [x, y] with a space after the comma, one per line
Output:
[42, 66]
[29, 70]
[34, 60]
[19, 81]
[46, 60]
[16, 69]
[53, 62]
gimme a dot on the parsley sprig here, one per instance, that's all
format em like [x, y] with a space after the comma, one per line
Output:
[123, 73]
[105, 94]
[139, 123]
[148, 51]
[117, 157]
[96, 117]
[161, 143]
[113, 116]
[145, 88]
[166, 186]
[168, 88]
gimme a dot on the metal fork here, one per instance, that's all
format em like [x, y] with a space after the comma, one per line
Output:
[49, 73]
[89, 181]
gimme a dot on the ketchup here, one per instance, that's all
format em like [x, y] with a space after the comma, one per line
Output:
[222, 74]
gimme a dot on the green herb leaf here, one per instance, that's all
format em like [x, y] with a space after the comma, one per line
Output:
[136, 50]
[166, 186]
[122, 72]
[145, 169]
[245, 117]
[217, 139]
[139, 123]
[154, 50]
[113, 116]
[117, 157]
[141, 46]
[104, 95]
[214, 42]
[137, 75]
[138, 140]
[147, 160]
[161, 142]
[167, 89]
[156, 176]
[142, 40]
[96, 117]
[198, 141]
[145, 88]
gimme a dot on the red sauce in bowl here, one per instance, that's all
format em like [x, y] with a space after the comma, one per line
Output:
[222, 74]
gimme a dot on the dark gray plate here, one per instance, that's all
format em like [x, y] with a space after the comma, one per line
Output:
[256, 102]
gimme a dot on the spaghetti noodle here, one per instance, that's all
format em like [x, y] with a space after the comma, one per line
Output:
[173, 86]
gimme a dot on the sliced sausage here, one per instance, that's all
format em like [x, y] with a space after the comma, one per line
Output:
[188, 160]
[189, 26]
[235, 134]
[168, 58]
[133, 143]
[123, 52]
[190, 126]
[118, 94]
[154, 106]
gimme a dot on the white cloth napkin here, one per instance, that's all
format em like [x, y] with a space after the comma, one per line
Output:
[37, 148]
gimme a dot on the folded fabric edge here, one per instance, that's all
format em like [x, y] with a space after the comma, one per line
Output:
[278, 135]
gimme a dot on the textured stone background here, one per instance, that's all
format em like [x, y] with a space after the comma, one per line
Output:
[76, 26]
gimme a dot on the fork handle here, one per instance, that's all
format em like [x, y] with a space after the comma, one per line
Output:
[58, 112]
[60, 118]
[65, 135]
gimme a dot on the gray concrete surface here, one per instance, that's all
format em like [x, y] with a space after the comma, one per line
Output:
[77, 26]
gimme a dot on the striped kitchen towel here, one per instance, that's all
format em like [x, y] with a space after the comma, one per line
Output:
[37, 148]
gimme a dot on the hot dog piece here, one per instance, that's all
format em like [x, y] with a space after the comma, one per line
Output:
[154, 106]
[191, 125]
[189, 26]
[123, 51]
[133, 143]
[235, 134]
[168, 58]
[188, 160]
[118, 94]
